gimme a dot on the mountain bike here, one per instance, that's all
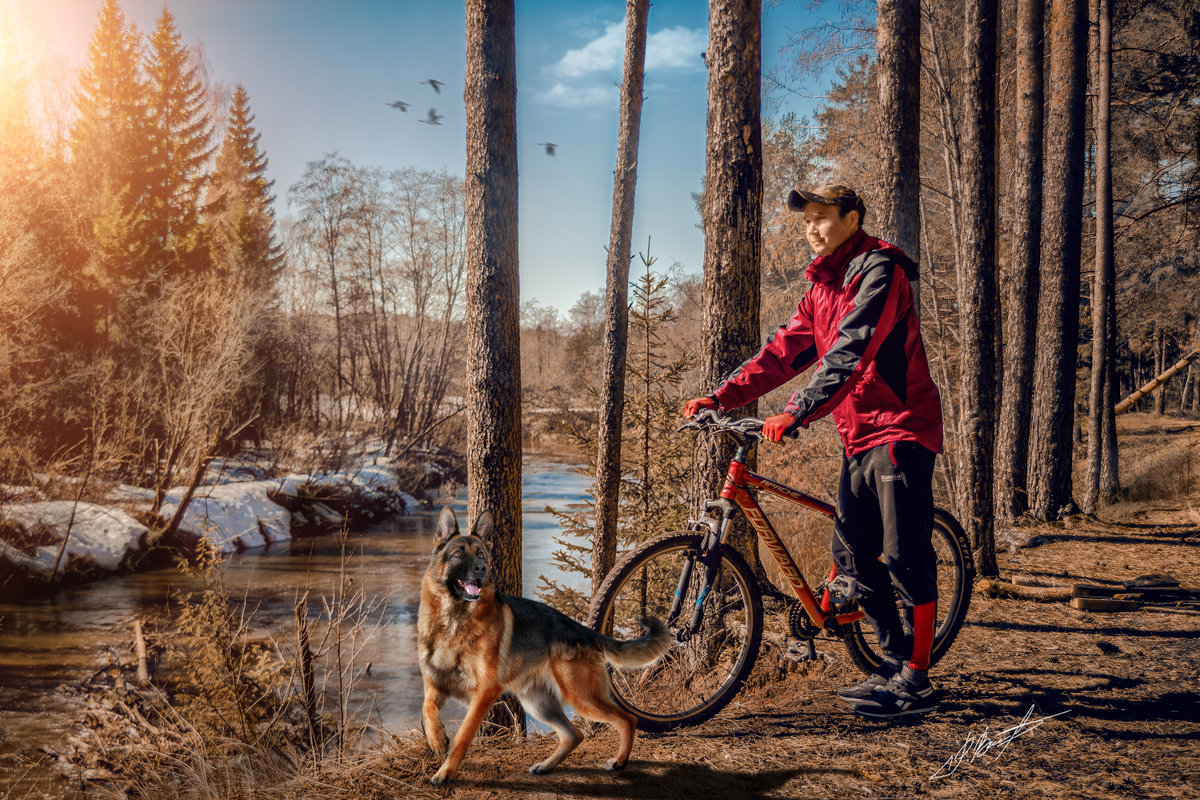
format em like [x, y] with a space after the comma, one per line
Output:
[711, 601]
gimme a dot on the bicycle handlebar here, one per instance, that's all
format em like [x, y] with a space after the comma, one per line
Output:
[707, 419]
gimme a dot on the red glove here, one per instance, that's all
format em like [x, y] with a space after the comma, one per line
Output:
[693, 406]
[775, 427]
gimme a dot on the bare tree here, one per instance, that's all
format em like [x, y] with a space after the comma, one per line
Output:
[1058, 301]
[326, 195]
[1022, 276]
[493, 308]
[1102, 482]
[616, 326]
[732, 217]
[977, 286]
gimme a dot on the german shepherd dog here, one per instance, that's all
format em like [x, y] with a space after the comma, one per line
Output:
[475, 642]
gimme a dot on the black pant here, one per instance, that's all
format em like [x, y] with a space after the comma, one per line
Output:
[883, 535]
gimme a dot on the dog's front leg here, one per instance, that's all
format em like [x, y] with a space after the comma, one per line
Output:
[481, 702]
[431, 719]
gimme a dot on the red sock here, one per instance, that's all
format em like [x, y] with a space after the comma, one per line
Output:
[924, 617]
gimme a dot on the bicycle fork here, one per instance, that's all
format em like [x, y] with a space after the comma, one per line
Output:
[710, 560]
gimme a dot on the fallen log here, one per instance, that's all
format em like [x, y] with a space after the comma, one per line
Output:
[1178, 367]
[1033, 580]
[1039, 594]
[1104, 604]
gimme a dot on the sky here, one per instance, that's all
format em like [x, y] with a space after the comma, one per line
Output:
[320, 74]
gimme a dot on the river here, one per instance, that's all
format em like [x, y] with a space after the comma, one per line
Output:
[62, 638]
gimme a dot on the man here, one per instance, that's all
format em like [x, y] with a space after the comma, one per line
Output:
[858, 322]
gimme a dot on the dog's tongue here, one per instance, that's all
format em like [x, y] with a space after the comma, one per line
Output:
[472, 589]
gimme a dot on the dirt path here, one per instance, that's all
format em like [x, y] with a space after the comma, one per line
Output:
[1112, 701]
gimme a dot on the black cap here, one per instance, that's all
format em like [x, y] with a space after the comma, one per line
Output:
[831, 194]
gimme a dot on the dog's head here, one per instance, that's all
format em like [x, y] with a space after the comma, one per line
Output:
[463, 563]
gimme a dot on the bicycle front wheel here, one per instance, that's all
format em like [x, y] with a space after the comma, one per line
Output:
[955, 576]
[708, 665]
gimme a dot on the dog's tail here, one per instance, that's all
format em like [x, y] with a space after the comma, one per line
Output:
[642, 651]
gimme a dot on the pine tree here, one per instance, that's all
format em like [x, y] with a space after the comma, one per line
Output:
[241, 222]
[110, 151]
[182, 148]
[656, 470]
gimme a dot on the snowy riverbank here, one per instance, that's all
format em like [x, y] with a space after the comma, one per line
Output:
[235, 509]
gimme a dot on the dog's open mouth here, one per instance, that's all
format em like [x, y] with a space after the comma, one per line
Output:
[468, 590]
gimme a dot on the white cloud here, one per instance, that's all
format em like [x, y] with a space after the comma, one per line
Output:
[600, 54]
[579, 96]
[676, 48]
[673, 48]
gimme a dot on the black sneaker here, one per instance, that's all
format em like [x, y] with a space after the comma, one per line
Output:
[908, 692]
[872, 684]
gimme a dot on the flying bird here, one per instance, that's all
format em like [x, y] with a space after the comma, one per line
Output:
[434, 118]
[400, 104]
[436, 85]
[550, 147]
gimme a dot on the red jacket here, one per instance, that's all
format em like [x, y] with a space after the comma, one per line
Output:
[859, 323]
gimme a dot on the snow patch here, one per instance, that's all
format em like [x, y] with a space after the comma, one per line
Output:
[98, 538]
[232, 516]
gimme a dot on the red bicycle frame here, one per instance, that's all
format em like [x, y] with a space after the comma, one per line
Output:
[738, 483]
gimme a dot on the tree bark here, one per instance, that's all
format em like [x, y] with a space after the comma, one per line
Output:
[493, 317]
[732, 222]
[1062, 235]
[898, 27]
[493, 300]
[1102, 482]
[616, 307]
[1022, 278]
[977, 289]
[1160, 364]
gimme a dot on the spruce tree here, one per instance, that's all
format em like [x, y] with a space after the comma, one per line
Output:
[655, 459]
[241, 222]
[110, 146]
[182, 149]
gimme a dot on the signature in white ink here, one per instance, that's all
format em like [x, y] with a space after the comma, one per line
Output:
[977, 745]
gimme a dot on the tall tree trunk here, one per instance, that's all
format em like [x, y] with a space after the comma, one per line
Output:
[1062, 235]
[493, 307]
[1102, 481]
[616, 306]
[1022, 278]
[898, 27]
[1160, 364]
[732, 220]
[977, 289]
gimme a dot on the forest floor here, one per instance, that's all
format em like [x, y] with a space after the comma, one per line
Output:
[1038, 699]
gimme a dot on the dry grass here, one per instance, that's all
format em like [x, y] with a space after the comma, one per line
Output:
[1126, 687]
[1118, 693]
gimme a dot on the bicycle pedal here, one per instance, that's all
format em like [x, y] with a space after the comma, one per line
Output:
[800, 651]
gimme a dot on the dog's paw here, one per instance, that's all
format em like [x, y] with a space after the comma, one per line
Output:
[540, 768]
[613, 765]
[441, 778]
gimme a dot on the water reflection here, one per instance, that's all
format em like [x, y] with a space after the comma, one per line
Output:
[62, 639]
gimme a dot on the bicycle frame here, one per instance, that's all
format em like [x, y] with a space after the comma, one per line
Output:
[738, 483]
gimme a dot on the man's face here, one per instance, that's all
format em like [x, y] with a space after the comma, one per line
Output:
[826, 228]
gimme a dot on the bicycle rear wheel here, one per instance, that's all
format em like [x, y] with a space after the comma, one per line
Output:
[955, 576]
[707, 666]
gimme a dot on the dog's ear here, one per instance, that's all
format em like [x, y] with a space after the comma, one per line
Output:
[482, 529]
[447, 528]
